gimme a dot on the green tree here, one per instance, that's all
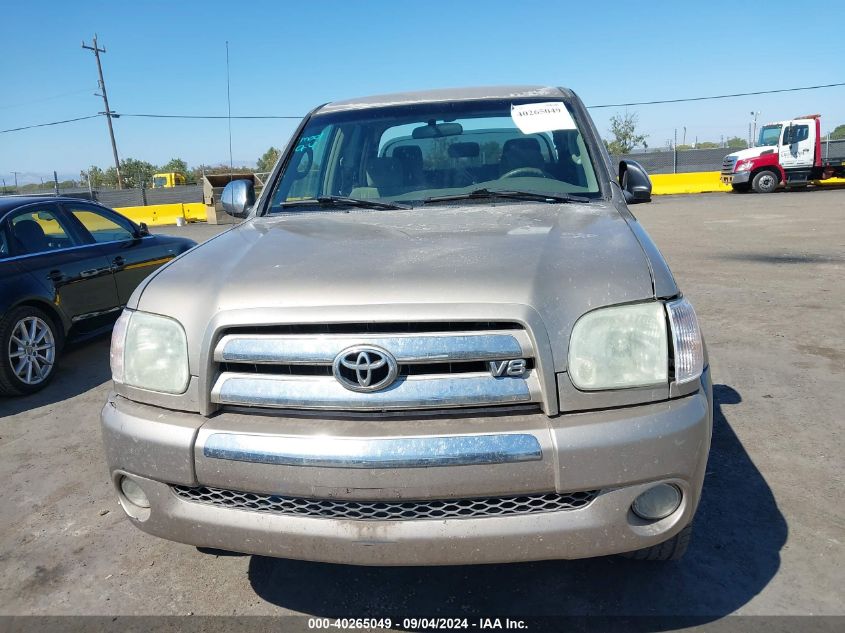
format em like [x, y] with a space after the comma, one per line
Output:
[225, 169]
[135, 172]
[707, 145]
[98, 178]
[268, 159]
[625, 134]
[735, 142]
[110, 177]
[838, 132]
[176, 165]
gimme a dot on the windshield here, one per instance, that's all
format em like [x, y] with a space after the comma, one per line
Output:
[159, 181]
[769, 135]
[408, 154]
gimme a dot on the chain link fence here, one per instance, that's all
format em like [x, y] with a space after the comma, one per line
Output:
[662, 161]
[126, 197]
[136, 197]
[682, 161]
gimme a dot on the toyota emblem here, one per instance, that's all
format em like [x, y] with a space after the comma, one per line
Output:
[365, 368]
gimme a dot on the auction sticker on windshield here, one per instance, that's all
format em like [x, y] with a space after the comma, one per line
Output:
[531, 118]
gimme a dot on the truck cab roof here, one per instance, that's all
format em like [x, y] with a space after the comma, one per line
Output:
[446, 94]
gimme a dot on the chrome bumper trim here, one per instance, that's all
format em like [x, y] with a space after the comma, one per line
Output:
[411, 392]
[406, 348]
[408, 452]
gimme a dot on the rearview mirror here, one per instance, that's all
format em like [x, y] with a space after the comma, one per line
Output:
[143, 230]
[636, 185]
[437, 130]
[238, 197]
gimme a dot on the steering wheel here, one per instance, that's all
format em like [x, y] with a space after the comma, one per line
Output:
[525, 171]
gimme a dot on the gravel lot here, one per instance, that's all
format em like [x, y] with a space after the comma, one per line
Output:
[766, 276]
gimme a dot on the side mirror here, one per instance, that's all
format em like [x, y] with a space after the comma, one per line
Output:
[143, 230]
[636, 185]
[238, 197]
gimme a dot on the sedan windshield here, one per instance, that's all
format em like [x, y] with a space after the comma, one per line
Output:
[422, 152]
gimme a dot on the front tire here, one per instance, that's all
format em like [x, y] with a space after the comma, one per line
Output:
[765, 181]
[673, 549]
[29, 349]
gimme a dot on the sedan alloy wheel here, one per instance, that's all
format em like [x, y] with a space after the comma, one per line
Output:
[32, 350]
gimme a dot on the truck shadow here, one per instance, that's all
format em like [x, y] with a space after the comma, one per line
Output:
[735, 552]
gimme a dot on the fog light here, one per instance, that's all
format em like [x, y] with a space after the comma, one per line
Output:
[133, 493]
[657, 502]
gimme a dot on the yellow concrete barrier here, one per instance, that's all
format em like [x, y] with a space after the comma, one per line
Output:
[695, 182]
[163, 214]
[702, 182]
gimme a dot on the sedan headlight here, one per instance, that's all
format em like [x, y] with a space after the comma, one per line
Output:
[150, 352]
[628, 346]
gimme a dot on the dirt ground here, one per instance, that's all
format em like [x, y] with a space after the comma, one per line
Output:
[765, 273]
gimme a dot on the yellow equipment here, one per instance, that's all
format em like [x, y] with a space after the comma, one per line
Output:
[170, 179]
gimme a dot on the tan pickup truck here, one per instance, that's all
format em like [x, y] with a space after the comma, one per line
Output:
[439, 336]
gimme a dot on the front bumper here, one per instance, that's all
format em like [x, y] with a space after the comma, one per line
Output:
[619, 452]
[736, 178]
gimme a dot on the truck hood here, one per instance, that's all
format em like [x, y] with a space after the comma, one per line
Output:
[752, 152]
[558, 260]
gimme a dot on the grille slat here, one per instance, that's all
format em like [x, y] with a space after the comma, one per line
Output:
[387, 510]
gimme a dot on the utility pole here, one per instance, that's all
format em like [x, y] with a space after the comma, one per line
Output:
[15, 173]
[754, 131]
[675, 154]
[109, 114]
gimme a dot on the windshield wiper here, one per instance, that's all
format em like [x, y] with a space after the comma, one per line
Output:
[342, 200]
[510, 194]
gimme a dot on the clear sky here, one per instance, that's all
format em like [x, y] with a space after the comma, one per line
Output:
[286, 57]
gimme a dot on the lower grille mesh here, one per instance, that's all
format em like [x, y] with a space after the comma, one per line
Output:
[387, 510]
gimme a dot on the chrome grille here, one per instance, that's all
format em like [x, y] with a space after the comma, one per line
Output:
[728, 165]
[387, 510]
[440, 365]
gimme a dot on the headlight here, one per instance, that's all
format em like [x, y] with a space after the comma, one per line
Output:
[743, 165]
[150, 352]
[686, 340]
[621, 346]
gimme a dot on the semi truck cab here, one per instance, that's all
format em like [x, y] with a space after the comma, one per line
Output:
[788, 153]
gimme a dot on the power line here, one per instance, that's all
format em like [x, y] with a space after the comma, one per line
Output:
[42, 99]
[726, 96]
[153, 116]
[271, 116]
[29, 127]
[202, 116]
